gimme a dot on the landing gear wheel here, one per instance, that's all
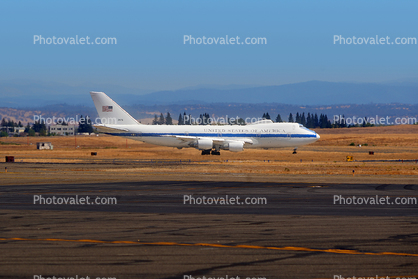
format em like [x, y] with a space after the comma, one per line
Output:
[205, 152]
[295, 151]
[214, 152]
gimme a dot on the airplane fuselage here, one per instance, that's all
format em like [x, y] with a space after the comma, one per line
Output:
[271, 135]
[208, 138]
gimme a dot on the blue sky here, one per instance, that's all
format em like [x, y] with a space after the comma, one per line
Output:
[150, 53]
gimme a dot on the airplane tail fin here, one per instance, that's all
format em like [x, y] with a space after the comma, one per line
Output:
[110, 112]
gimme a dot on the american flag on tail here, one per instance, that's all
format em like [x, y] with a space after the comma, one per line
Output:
[107, 108]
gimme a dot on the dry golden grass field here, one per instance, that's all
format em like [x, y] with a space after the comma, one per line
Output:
[119, 159]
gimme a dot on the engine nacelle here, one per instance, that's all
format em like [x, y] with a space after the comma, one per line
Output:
[236, 146]
[204, 144]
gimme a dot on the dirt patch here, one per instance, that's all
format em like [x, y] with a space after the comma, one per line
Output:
[395, 156]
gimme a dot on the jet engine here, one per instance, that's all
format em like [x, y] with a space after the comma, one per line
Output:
[236, 146]
[204, 144]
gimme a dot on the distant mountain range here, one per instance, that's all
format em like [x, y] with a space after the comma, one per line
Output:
[304, 93]
[21, 99]
[32, 94]
[231, 110]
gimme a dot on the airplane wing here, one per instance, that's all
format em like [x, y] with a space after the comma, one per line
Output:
[215, 140]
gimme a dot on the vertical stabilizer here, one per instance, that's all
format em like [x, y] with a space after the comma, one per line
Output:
[110, 112]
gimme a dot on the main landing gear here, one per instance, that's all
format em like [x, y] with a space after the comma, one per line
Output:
[211, 152]
[295, 151]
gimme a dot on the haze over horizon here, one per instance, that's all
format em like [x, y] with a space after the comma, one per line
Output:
[151, 53]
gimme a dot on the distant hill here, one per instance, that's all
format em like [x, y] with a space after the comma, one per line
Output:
[33, 94]
[257, 110]
[219, 110]
[28, 115]
[304, 93]
[21, 99]
[30, 94]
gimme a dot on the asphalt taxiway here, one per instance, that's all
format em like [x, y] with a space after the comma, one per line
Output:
[297, 231]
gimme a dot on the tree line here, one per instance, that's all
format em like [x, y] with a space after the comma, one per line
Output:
[310, 120]
[313, 121]
[39, 127]
[10, 123]
[187, 119]
[183, 119]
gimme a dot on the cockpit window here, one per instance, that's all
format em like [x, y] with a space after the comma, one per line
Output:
[307, 129]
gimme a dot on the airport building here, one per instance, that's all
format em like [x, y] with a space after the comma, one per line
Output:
[63, 130]
[12, 130]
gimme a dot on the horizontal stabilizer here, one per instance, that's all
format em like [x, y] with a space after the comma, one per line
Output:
[107, 129]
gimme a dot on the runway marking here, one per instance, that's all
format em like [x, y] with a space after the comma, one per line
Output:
[287, 248]
[396, 276]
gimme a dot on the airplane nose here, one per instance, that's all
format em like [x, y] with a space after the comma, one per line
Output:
[318, 136]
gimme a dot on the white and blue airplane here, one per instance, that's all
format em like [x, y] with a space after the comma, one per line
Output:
[210, 139]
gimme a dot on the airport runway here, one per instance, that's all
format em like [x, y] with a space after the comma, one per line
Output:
[188, 197]
[151, 233]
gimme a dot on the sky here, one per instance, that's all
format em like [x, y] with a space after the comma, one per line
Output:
[150, 52]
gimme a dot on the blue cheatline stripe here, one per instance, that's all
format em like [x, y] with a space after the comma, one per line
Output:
[214, 135]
